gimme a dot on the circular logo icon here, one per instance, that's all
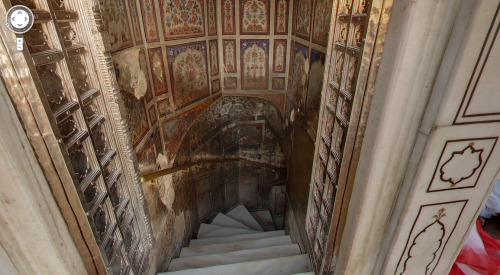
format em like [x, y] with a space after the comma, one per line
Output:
[19, 19]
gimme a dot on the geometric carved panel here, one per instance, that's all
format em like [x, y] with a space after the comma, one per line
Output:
[428, 237]
[461, 163]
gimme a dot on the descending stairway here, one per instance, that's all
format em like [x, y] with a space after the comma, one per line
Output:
[240, 242]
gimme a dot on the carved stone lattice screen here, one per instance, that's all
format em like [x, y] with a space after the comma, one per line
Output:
[340, 112]
[71, 68]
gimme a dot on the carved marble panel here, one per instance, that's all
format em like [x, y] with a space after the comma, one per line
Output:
[433, 227]
[254, 17]
[182, 19]
[254, 64]
[188, 72]
[461, 163]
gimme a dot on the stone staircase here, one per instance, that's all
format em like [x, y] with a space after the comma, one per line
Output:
[240, 242]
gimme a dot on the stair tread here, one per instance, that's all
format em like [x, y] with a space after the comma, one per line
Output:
[234, 257]
[234, 246]
[236, 238]
[241, 214]
[273, 266]
[265, 219]
[226, 221]
[209, 231]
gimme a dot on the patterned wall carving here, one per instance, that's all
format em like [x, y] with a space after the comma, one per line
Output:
[182, 19]
[135, 22]
[279, 58]
[254, 16]
[281, 17]
[214, 57]
[158, 70]
[254, 64]
[212, 17]
[321, 22]
[229, 52]
[228, 17]
[188, 72]
[303, 18]
[149, 20]
[116, 22]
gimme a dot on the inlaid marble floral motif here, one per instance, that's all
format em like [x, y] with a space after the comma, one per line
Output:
[135, 22]
[158, 71]
[228, 21]
[188, 72]
[254, 17]
[149, 20]
[212, 17]
[254, 64]
[303, 18]
[279, 60]
[281, 18]
[116, 21]
[321, 23]
[144, 68]
[214, 57]
[229, 52]
[182, 18]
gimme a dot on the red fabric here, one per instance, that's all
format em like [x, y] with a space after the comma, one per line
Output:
[488, 264]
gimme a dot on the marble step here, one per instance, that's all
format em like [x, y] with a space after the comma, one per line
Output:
[234, 257]
[223, 220]
[241, 214]
[209, 231]
[265, 219]
[229, 247]
[274, 266]
[237, 238]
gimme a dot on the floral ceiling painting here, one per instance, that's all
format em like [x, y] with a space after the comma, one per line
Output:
[321, 24]
[254, 64]
[188, 72]
[254, 17]
[182, 19]
[149, 19]
[115, 19]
